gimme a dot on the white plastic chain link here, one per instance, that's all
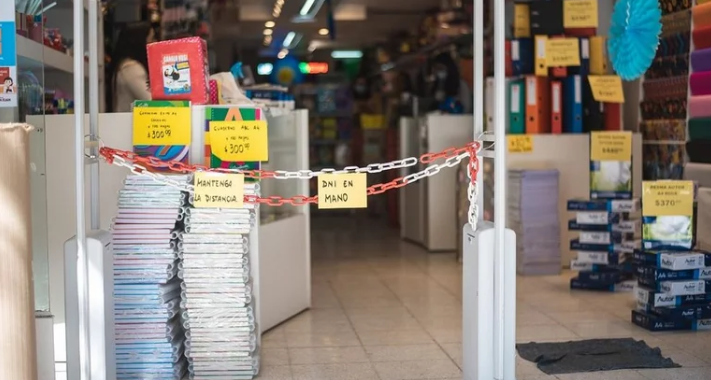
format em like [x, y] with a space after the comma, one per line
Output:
[429, 171]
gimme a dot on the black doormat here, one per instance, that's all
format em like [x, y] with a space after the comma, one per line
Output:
[593, 355]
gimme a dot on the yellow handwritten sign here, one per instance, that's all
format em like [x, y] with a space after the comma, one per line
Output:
[342, 191]
[607, 88]
[580, 14]
[218, 190]
[520, 143]
[664, 198]
[239, 140]
[522, 21]
[161, 126]
[372, 121]
[562, 52]
[611, 146]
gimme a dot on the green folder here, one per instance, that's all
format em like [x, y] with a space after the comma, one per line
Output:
[517, 107]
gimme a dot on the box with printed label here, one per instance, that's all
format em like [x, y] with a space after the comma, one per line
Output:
[660, 274]
[605, 237]
[634, 226]
[625, 267]
[624, 286]
[675, 260]
[668, 232]
[601, 258]
[654, 298]
[652, 322]
[610, 205]
[683, 288]
[627, 246]
[682, 312]
[611, 277]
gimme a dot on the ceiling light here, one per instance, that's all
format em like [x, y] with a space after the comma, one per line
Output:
[269, 24]
[323, 31]
[275, 14]
[282, 54]
[307, 7]
[268, 32]
[289, 39]
[346, 54]
[265, 68]
[280, 2]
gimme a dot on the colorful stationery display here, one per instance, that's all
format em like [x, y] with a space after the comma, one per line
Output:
[161, 129]
[178, 70]
[229, 113]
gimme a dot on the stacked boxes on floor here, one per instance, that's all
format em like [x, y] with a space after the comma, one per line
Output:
[608, 236]
[146, 243]
[218, 313]
[674, 280]
[533, 215]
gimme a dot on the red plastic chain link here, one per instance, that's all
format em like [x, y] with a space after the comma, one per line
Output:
[178, 167]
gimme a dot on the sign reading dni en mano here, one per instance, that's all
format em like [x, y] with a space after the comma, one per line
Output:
[342, 191]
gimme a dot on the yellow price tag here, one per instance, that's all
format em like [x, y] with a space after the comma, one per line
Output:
[161, 126]
[611, 146]
[664, 198]
[562, 52]
[239, 140]
[342, 191]
[368, 121]
[520, 143]
[607, 88]
[218, 190]
[522, 21]
[580, 14]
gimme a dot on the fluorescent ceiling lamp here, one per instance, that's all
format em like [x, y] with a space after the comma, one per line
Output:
[306, 9]
[282, 54]
[346, 54]
[289, 39]
[269, 24]
[323, 31]
[268, 32]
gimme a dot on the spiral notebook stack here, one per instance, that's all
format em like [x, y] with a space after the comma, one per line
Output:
[533, 215]
[146, 233]
[221, 332]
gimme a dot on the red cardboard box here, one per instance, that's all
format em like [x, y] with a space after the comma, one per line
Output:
[178, 70]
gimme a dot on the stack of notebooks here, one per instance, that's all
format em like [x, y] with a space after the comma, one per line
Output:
[674, 291]
[146, 240]
[533, 216]
[609, 231]
[221, 332]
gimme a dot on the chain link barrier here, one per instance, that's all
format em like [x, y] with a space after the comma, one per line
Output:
[152, 167]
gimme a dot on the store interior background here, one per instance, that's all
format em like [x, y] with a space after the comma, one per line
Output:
[378, 294]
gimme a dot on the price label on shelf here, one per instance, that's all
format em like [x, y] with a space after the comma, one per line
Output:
[161, 125]
[239, 140]
[342, 191]
[611, 146]
[607, 88]
[562, 52]
[218, 190]
[580, 14]
[662, 198]
[519, 143]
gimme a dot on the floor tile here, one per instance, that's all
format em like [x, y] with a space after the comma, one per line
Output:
[454, 351]
[351, 371]
[275, 373]
[327, 355]
[322, 339]
[406, 352]
[543, 333]
[421, 369]
[384, 323]
[601, 329]
[685, 359]
[385, 338]
[677, 374]
[274, 356]
[274, 339]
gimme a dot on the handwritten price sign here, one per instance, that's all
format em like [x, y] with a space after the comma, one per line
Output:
[611, 146]
[239, 140]
[607, 88]
[520, 143]
[562, 52]
[663, 198]
[580, 14]
[161, 126]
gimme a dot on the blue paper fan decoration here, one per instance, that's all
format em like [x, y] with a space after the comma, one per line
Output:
[634, 36]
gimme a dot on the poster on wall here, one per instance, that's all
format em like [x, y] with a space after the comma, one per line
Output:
[8, 57]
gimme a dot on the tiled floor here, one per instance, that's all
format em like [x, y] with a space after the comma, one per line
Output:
[384, 309]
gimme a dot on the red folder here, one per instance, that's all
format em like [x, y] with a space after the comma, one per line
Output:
[556, 107]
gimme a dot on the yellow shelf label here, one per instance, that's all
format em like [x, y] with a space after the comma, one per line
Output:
[562, 52]
[239, 140]
[611, 146]
[580, 14]
[665, 198]
[161, 126]
[520, 143]
[607, 88]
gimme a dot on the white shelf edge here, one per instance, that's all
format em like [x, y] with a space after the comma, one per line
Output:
[51, 59]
